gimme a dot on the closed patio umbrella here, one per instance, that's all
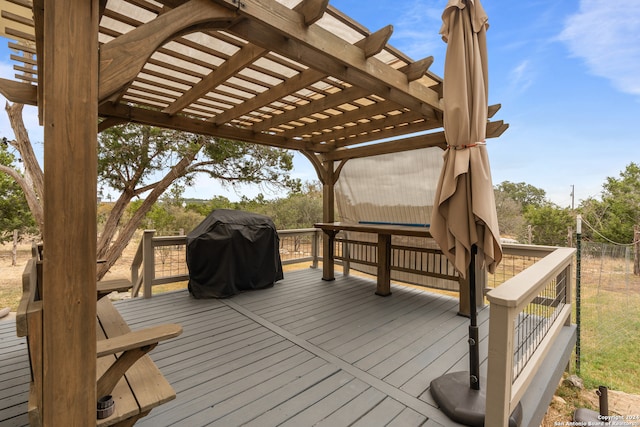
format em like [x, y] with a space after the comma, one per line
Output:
[464, 219]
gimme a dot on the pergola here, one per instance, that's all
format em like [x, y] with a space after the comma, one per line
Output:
[292, 74]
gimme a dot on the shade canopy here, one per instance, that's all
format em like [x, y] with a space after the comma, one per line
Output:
[464, 210]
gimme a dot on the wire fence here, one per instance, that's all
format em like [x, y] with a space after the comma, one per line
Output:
[610, 304]
[610, 316]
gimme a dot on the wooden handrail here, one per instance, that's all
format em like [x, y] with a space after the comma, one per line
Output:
[507, 302]
[144, 258]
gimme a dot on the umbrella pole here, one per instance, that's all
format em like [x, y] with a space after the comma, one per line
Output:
[474, 355]
[458, 394]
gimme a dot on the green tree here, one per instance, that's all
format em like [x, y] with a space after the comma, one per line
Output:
[29, 176]
[204, 208]
[509, 211]
[14, 210]
[145, 161]
[520, 206]
[615, 215]
[298, 210]
[550, 224]
[525, 194]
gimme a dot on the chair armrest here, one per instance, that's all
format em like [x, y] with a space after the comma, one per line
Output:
[132, 346]
[137, 339]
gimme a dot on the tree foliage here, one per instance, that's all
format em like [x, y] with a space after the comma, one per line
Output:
[300, 210]
[170, 215]
[29, 175]
[550, 224]
[14, 210]
[145, 161]
[523, 193]
[525, 213]
[615, 215]
[509, 211]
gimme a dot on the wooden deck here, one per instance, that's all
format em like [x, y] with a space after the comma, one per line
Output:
[302, 353]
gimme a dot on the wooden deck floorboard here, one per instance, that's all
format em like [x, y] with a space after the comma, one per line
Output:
[304, 352]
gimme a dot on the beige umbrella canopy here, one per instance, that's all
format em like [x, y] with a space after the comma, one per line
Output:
[464, 209]
[464, 215]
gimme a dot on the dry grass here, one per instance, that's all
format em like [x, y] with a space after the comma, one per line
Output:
[11, 275]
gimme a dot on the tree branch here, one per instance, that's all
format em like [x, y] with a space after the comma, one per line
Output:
[32, 198]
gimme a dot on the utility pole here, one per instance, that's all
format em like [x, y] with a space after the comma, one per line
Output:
[573, 194]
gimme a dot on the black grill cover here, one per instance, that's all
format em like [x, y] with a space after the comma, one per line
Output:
[232, 251]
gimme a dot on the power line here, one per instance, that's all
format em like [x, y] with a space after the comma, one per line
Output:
[606, 238]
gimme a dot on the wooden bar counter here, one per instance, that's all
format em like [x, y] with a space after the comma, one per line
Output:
[384, 232]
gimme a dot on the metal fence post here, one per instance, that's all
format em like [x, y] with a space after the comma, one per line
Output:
[578, 250]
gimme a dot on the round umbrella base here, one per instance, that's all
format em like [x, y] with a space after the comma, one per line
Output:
[461, 403]
[588, 417]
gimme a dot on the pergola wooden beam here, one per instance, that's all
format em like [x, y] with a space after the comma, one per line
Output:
[325, 51]
[319, 106]
[496, 129]
[329, 66]
[371, 45]
[22, 47]
[312, 10]
[418, 69]
[390, 126]
[245, 56]
[493, 109]
[186, 124]
[435, 139]
[122, 58]
[383, 133]
[21, 93]
[372, 129]
[344, 117]
[285, 88]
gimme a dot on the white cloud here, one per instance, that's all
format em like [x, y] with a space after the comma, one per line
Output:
[606, 35]
[521, 77]
[416, 29]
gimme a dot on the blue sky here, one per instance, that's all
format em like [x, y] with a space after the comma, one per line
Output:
[567, 74]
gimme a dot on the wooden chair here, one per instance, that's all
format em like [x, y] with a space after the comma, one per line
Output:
[124, 370]
[103, 287]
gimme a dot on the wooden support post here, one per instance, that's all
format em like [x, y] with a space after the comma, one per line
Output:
[70, 90]
[148, 262]
[315, 248]
[384, 265]
[328, 215]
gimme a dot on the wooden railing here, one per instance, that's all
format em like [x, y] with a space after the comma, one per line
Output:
[527, 313]
[530, 300]
[415, 259]
[162, 259]
[515, 259]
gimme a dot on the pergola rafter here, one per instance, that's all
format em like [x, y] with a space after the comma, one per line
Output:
[299, 75]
